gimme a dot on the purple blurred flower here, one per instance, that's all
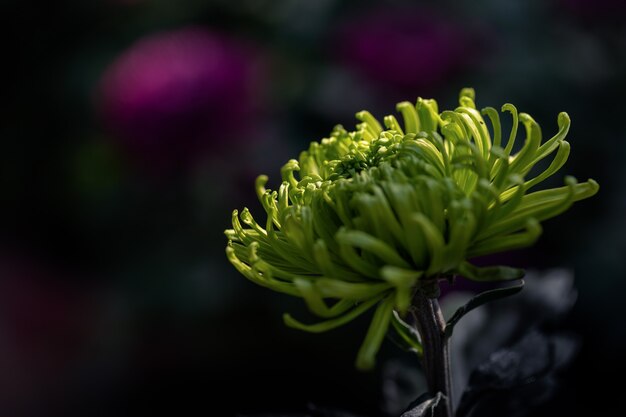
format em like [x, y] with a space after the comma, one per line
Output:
[175, 93]
[408, 49]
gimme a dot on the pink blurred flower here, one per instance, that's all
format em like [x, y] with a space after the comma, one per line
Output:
[407, 49]
[174, 94]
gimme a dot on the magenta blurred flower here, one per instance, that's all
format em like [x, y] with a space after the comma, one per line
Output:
[407, 49]
[175, 93]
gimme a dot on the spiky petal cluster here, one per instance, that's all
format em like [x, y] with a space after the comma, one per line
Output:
[363, 218]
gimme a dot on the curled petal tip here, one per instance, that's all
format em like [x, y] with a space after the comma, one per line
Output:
[594, 185]
[468, 92]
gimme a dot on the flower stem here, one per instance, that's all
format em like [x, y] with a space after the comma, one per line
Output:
[436, 360]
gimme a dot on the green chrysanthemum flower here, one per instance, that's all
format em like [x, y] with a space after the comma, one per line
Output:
[375, 213]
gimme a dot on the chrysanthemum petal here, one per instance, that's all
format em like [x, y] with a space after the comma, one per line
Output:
[327, 325]
[376, 333]
[489, 273]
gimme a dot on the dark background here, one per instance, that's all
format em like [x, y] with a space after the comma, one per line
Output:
[131, 128]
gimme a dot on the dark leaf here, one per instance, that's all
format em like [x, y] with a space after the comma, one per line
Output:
[514, 380]
[424, 406]
[546, 298]
[479, 300]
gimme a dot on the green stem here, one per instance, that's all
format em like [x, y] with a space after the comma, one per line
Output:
[436, 359]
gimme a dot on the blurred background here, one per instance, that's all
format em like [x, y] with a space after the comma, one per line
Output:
[132, 128]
